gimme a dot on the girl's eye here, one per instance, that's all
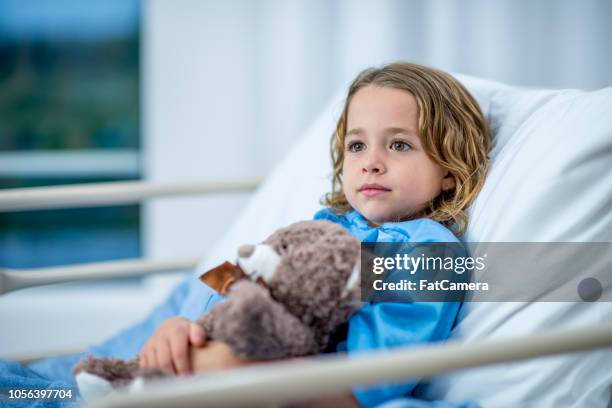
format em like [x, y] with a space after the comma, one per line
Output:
[400, 146]
[356, 146]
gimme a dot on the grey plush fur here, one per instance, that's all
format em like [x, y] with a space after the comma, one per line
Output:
[305, 300]
[119, 373]
[292, 314]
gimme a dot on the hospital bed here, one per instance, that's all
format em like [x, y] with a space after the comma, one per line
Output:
[549, 181]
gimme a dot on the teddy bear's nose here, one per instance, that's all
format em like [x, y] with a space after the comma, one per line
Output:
[246, 250]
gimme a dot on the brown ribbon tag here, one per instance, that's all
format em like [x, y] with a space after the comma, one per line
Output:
[220, 278]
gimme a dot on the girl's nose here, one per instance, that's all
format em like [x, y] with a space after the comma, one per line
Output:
[374, 166]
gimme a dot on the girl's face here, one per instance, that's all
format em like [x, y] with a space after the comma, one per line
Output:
[386, 174]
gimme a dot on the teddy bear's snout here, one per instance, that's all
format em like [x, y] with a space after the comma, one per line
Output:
[260, 261]
[246, 251]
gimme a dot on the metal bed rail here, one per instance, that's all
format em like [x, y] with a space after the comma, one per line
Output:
[13, 279]
[111, 193]
[273, 384]
[96, 194]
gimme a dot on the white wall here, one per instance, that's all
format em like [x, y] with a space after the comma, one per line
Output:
[199, 94]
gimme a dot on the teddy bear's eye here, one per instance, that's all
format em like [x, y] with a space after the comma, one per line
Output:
[284, 247]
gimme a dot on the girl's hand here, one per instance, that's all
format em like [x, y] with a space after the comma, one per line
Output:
[169, 347]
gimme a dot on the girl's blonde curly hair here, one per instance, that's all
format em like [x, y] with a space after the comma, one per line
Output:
[452, 130]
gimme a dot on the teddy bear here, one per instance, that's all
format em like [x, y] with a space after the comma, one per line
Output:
[284, 298]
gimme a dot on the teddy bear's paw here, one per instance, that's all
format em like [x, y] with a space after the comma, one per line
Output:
[146, 376]
[137, 385]
[116, 371]
[92, 387]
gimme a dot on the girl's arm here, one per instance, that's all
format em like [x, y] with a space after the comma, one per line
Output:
[218, 356]
[215, 356]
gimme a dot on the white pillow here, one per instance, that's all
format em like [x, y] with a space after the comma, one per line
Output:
[549, 181]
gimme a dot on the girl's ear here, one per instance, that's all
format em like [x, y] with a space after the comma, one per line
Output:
[448, 182]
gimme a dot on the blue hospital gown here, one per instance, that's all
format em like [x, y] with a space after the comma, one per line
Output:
[374, 326]
[391, 324]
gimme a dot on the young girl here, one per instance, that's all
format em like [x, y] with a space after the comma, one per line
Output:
[410, 154]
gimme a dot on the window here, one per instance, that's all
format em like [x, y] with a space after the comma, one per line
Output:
[69, 113]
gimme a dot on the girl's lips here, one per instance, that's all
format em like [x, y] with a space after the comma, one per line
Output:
[372, 192]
